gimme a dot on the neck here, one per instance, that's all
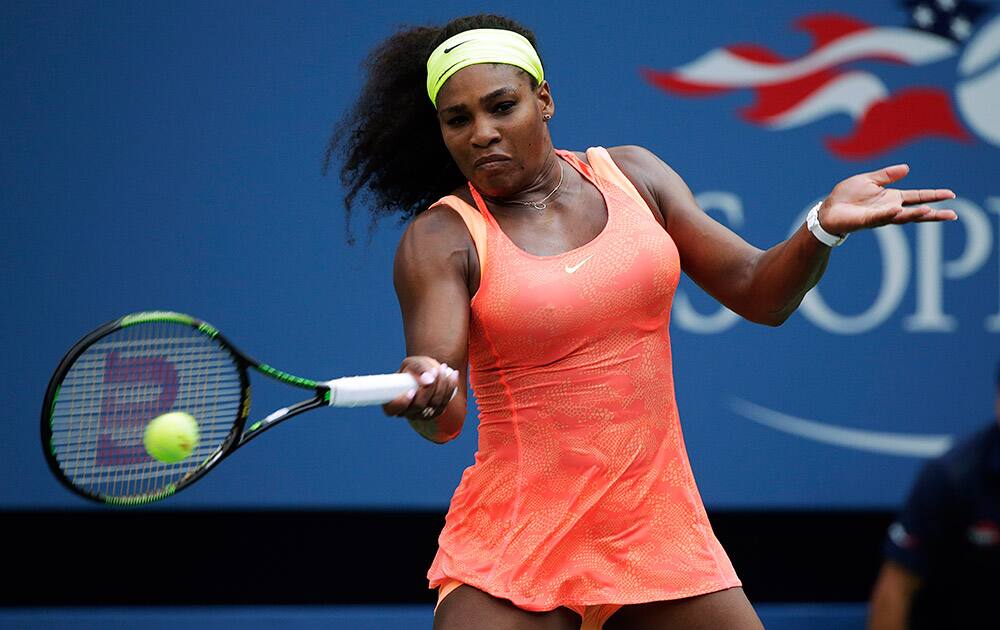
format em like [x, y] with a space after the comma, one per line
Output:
[545, 181]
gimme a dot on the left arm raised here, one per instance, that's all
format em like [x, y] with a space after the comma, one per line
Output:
[766, 286]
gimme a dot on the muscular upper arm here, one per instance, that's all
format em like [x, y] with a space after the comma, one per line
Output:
[431, 273]
[715, 257]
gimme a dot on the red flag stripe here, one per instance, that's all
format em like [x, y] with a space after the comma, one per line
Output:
[670, 82]
[829, 27]
[773, 100]
[753, 52]
[907, 116]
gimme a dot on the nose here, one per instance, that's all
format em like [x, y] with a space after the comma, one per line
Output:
[484, 132]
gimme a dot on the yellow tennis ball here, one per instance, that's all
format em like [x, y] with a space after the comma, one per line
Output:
[171, 437]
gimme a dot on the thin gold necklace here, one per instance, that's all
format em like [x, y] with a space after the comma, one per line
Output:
[540, 204]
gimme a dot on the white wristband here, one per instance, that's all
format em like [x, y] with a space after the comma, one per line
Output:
[812, 222]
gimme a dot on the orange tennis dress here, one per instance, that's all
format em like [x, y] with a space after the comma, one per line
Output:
[581, 493]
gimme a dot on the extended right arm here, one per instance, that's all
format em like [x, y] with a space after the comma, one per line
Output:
[431, 275]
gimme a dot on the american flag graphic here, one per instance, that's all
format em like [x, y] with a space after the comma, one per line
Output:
[792, 92]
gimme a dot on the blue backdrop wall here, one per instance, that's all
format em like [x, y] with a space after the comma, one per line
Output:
[168, 156]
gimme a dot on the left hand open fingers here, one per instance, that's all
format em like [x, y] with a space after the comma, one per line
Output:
[889, 174]
[923, 214]
[925, 195]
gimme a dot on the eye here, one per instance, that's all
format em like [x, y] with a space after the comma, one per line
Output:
[505, 106]
[455, 121]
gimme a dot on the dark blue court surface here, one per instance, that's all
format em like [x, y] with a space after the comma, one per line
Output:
[774, 616]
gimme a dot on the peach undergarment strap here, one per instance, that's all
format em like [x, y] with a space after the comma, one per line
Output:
[474, 221]
[605, 167]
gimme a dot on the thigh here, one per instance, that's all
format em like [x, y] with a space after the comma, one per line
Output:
[467, 607]
[728, 609]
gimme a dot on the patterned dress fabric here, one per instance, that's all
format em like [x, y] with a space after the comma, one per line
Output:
[581, 492]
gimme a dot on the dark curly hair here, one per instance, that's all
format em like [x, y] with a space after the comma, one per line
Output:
[390, 140]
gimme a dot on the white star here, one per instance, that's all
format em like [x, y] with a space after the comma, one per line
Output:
[947, 5]
[923, 16]
[961, 28]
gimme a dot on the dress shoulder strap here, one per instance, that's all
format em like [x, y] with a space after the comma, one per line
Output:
[605, 167]
[474, 221]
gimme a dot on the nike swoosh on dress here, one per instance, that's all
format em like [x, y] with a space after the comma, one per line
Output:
[572, 269]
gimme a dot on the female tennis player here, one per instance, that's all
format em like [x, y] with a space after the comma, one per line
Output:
[549, 275]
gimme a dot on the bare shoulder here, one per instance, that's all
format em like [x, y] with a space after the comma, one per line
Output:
[438, 224]
[631, 152]
[662, 182]
[646, 172]
[435, 241]
[638, 159]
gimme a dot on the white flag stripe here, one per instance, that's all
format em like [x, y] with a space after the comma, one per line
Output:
[984, 49]
[720, 67]
[853, 94]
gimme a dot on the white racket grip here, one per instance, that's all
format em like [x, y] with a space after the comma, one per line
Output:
[377, 389]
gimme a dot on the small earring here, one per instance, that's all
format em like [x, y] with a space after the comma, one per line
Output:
[547, 117]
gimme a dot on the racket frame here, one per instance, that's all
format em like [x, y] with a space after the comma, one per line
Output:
[238, 435]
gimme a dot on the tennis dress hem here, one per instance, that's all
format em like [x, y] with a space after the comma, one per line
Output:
[543, 605]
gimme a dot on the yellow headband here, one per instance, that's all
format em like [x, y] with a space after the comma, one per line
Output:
[482, 45]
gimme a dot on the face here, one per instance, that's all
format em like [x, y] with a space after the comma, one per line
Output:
[492, 122]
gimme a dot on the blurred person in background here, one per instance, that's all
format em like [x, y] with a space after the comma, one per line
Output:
[942, 553]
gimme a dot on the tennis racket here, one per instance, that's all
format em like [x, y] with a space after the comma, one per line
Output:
[119, 377]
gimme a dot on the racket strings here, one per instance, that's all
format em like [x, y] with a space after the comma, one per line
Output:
[119, 384]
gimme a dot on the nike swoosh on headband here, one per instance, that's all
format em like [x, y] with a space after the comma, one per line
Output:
[482, 45]
[448, 50]
[901, 444]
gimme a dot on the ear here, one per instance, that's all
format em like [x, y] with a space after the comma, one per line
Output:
[546, 105]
